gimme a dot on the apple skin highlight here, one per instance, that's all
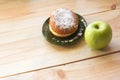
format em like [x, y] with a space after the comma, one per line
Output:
[98, 35]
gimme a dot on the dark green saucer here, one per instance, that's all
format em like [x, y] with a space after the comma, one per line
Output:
[64, 41]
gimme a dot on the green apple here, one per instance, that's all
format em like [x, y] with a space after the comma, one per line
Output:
[98, 34]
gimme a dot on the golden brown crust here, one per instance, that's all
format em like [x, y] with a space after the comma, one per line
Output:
[59, 35]
[56, 30]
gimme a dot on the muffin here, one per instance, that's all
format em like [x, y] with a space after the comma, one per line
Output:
[63, 22]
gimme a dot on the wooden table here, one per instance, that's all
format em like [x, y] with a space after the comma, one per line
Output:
[26, 55]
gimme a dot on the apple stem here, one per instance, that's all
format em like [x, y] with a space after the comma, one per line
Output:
[96, 26]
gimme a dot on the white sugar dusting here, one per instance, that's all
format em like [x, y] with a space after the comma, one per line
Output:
[63, 18]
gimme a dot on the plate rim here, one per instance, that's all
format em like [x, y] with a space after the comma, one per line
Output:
[65, 43]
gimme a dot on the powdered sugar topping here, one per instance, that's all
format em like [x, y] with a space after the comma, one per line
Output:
[63, 18]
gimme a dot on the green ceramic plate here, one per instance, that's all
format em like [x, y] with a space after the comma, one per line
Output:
[64, 41]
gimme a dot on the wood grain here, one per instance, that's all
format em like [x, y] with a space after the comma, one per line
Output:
[22, 45]
[117, 4]
[100, 68]
[26, 49]
[12, 9]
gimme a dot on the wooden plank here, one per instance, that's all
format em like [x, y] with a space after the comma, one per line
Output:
[117, 4]
[100, 68]
[10, 9]
[23, 47]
